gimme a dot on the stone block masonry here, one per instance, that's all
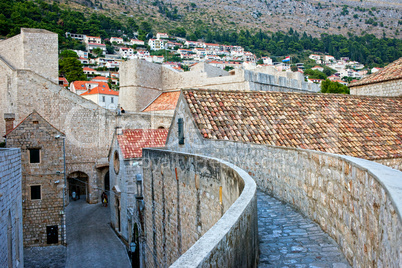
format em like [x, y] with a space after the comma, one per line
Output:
[200, 207]
[357, 202]
[11, 247]
[391, 88]
[42, 207]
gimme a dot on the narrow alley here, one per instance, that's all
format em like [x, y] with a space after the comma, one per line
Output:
[91, 240]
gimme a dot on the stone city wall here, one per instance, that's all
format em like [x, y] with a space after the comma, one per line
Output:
[11, 246]
[391, 88]
[141, 82]
[395, 163]
[357, 202]
[200, 207]
[11, 50]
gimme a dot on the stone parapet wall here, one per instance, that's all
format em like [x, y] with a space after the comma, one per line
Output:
[395, 163]
[10, 209]
[200, 207]
[391, 88]
[269, 82]
[357, 202]
[11, 50]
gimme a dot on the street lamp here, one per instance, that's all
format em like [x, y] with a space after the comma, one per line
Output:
[64, 187]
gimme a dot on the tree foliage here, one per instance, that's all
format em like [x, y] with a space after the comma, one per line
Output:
[70, 67]
[328, 86]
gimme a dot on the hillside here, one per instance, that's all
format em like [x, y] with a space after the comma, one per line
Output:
[379, 17]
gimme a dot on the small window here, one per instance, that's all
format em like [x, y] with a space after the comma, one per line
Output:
[112, 99]
[34, 156]
[35, 122]
[35, 192]
[103, 98]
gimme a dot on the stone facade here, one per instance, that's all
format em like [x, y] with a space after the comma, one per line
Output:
[28, 81]
[42, 179]
[190, 198]
[355, 201]
[142, 81]
[11, 246]
[391, 88]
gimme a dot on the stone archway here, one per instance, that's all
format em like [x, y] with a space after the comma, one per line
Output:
[78, 181]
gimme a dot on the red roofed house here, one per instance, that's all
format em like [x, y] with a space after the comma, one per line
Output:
[319, 68]
[125, 170]
[103, 96]
[100, 79]
[385, 82]
[92, 39]
[166, 101]
[63, 82]
[89, 71]
[92, 46]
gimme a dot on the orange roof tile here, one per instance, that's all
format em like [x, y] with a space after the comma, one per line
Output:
[365, 127]
[390, 72]
[89, 69]
[102, 88]
[99, 78]
[165, 101]
[132, 141]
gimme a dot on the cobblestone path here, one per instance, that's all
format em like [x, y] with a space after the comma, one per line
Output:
[289, 239]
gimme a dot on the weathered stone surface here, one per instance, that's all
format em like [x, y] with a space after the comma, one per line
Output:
[185, 198]
[357, 202]
[11, 246]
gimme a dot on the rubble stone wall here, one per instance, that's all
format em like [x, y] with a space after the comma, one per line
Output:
[10, 209]
[200, 207]
[391, 88]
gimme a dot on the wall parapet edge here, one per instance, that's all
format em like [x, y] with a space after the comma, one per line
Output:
[233, 239]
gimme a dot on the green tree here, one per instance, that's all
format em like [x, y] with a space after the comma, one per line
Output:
[97, 51]
[70, 67]
[293, 68]
[328, 86]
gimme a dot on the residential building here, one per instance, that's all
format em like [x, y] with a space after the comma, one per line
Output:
[329, 58]
[92, 46]
[162, 36]
[267, 60]
[315, 57]
[385, 82]
[103, 96]
[81, 54]
[125, 165]
[137, 42]
[156, 44]
[79, 87]
[43, 201]
[319, 68]
[100, 79]
[89, 71]
[63, 82]
[92, 39]
[126, 52]
[117, 40]
[79, 37]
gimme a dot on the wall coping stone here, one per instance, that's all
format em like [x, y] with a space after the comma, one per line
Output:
[194, 256]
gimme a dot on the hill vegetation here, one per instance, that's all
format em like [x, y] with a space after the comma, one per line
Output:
[367, 49]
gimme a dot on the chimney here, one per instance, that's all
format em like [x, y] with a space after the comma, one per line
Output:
[9, 118]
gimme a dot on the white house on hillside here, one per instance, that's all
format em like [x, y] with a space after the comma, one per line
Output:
[103, 96]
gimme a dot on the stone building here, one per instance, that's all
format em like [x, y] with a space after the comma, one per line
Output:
[125, 160]
[304, 149]
[386, 82]
[141, 82]
[11, 246]
[43, 202]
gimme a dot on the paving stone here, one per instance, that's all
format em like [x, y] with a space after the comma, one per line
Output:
[289, 239]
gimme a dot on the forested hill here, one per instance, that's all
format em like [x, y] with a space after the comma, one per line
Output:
[367, 49]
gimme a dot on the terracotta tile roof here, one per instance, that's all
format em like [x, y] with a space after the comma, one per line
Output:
[165, 101]
[390, 72]
[102, 88]
[365, 127]
[132, 141]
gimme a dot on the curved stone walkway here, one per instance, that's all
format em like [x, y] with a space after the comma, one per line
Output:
[289, 239]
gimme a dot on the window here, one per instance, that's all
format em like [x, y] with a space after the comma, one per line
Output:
[116, 162]
[111, 99]
[180, 124]
[34, 156]
[35, 192]
[103, 98]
